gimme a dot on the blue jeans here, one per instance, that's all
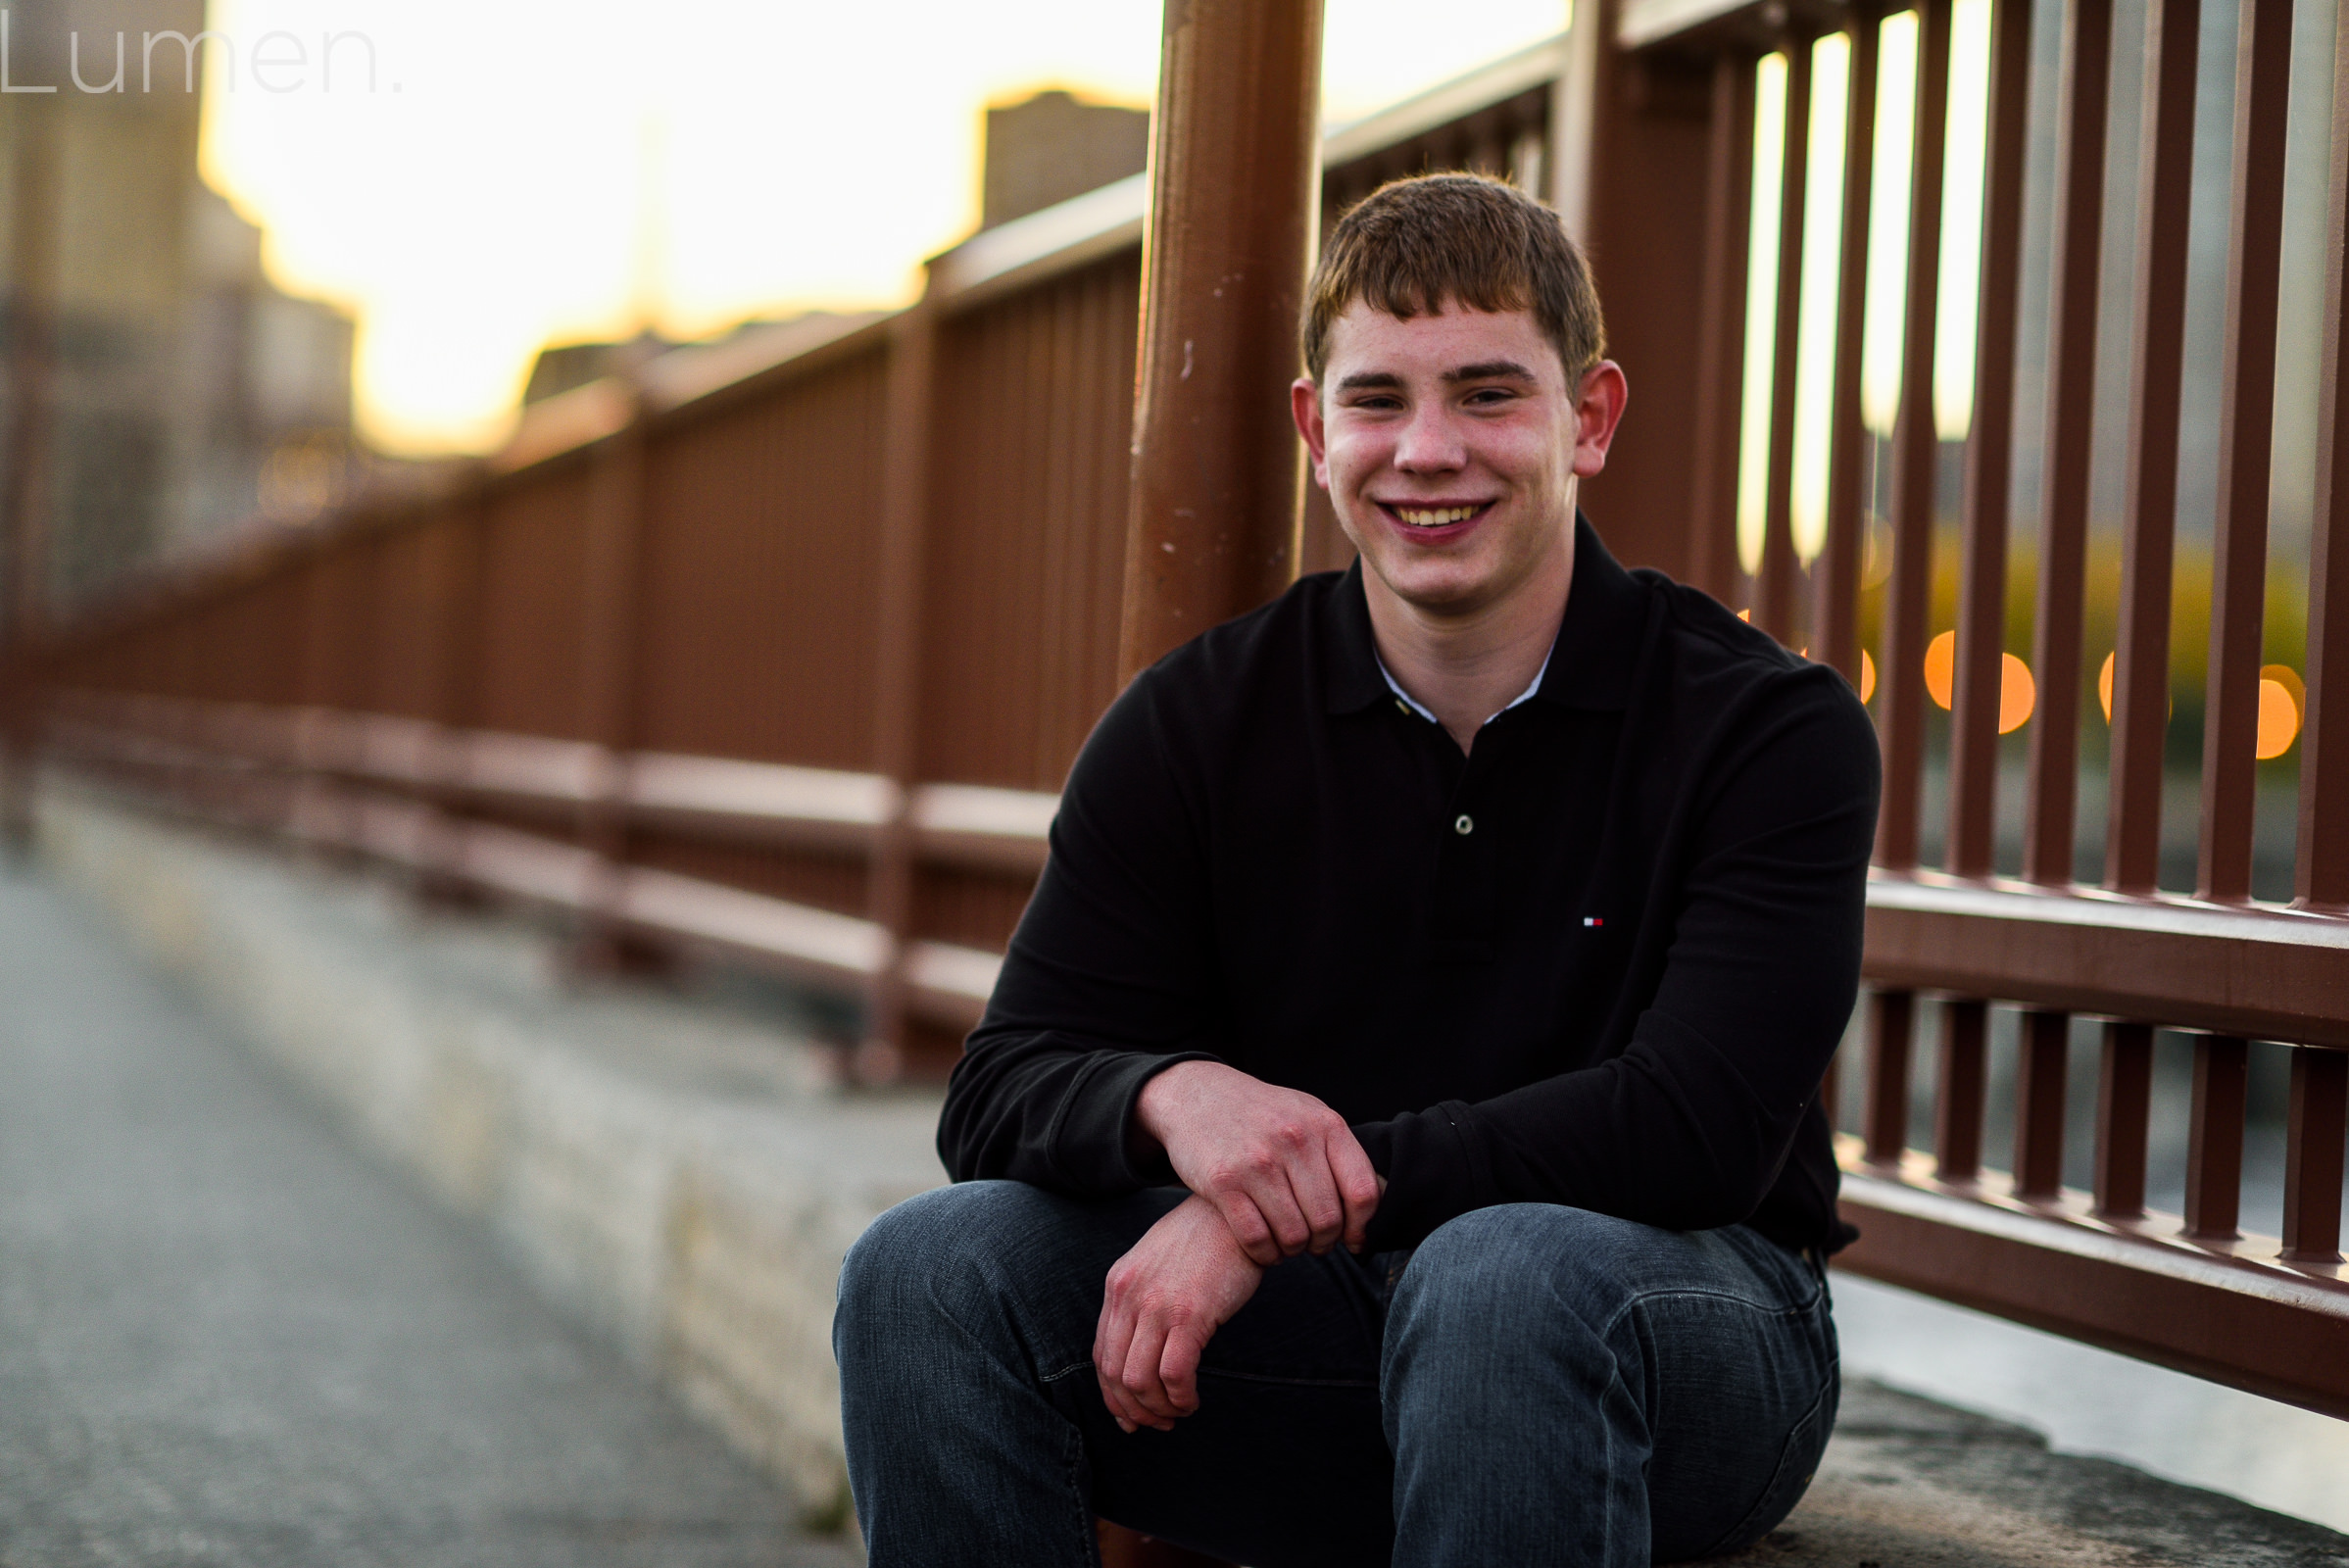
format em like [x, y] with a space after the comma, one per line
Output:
[1534, 1385]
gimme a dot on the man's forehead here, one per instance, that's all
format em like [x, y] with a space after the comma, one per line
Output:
[1452, 342]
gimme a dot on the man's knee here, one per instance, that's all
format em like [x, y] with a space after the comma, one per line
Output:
[941, 1240]
[1515, 1266]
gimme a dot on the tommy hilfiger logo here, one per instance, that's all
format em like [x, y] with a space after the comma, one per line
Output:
[1594, 920]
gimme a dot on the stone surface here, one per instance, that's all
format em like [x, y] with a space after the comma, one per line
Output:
[226, 1337]
[1910, 1484]
[682, 1180]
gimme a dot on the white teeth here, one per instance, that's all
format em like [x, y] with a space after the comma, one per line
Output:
[1435, 518]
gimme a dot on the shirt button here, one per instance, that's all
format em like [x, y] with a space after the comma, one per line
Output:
[1462, 825]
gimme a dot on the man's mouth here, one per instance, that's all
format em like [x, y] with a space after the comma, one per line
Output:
[1430, 518]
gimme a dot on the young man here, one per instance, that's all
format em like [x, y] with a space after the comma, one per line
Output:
[1468, 933]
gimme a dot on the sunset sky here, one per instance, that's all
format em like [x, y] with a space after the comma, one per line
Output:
[525, 171]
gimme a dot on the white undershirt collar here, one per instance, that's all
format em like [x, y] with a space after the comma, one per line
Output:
[1420, 709]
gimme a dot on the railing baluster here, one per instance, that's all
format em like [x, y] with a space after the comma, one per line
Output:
[1774, 596]
[1834, 629]
[2246, 429]
[2313, 1140]
[2141, 664]
[2124, 1101]
[1721, 347]
[1916, 455]
[1989, 457]
[911, 399]
[1964, 1089]
[2039, 1103]
[2053, 785]
[2320, 876]
[2215, 1138]
[1891, 1020]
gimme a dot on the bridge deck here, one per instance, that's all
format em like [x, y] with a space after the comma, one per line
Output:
[225, 1338]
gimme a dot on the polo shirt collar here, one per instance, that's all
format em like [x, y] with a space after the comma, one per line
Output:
[1590, 664]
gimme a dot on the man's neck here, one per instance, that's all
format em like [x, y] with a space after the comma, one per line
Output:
[1464, 669]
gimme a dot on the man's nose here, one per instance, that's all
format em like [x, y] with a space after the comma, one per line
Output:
[1430, 444]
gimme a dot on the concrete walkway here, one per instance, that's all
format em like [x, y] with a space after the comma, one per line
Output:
[225, 1338]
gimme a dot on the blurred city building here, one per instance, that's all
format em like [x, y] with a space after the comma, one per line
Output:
[157, 387]
[1053, 145]
[1039, 152]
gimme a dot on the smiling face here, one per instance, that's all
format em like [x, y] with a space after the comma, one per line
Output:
[1451, 445]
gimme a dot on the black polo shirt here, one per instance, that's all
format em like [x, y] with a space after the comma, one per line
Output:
[1603, 960]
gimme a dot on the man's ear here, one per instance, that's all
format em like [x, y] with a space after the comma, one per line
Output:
[1597, 412]
[1304, 407]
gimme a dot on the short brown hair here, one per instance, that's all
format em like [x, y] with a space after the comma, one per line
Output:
[1413, 244]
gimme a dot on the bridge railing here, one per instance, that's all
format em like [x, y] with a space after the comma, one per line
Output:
[783, 647]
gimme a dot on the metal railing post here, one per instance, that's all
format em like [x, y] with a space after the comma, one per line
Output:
[1235, 198]
[24, 488]
[905, 517]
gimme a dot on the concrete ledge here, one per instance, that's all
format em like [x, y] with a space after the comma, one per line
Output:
[685, 1181]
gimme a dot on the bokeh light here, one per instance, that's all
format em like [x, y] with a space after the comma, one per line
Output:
[2017, 692]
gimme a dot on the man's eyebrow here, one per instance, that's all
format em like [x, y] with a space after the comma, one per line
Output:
[1370, 379]
[1490, 370]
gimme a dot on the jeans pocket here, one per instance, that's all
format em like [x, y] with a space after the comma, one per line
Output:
[1798, 1463]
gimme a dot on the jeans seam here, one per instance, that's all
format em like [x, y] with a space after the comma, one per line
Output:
[1066, 1372]
[1089, 1547]
[1646, 1298]
[1827, 1385]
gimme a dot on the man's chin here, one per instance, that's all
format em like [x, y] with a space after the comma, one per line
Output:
[1442, 595]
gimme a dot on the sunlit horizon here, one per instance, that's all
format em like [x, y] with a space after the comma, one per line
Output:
[476, 182]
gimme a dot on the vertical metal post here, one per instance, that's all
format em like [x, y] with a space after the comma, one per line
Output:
[1712, 556]
[905, 515]
[1235, 185]
[2039, 1104]
[2141, 664]
[610, 638]
[1916, 459]
[2316, 1128]
[1835, 609]
[2123, 1099]
[2320, 877]
[2246, 429]
[25, 500]
[2214, 1136]
[1989, 457]
[1964, 1083]
[2053, 783]
[1774, 596]
[1891, 1022]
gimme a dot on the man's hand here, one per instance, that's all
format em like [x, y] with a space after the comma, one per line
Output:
[1282, 1168]
[1163, 1301]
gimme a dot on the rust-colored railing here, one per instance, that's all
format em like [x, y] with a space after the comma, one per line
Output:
[1998, 938]
[782, 649]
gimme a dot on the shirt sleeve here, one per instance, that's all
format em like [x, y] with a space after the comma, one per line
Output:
[1689, 1127]
[1109, 981]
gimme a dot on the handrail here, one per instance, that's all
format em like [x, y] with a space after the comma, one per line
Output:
[2267, 971]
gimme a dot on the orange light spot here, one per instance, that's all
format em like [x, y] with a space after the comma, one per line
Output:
[2279, 715]
[2288, 678]
[1867, 676]
[1745, 615]
[1940, 668]
[2018, 694]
